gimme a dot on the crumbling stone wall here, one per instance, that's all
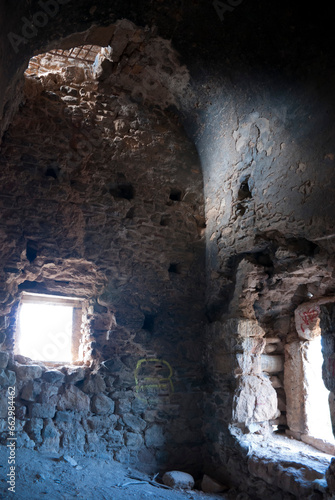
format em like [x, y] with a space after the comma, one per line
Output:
[260, 110]
[267, 216]
[102, 199]
[269, 211]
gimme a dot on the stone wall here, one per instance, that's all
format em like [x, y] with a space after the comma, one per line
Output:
[101, 198]
[257, 101]
[270, 236]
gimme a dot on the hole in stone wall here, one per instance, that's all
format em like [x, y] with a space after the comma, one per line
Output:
[149, 322]
[131, 213]
[51, 172]
[240, 209]
[263, 259]
[48, 328]
[300, 295]
[122, 190]
[176, 194]
[29, 285]
[302, 246]
[244, 191]
[165, 220]
[175, 268]
[31, 251]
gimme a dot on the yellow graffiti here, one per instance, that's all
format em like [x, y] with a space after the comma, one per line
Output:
[146, 385]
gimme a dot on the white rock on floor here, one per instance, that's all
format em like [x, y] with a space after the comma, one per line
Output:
[178, 480]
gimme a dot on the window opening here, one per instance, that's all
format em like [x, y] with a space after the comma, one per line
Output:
[317, 401]
[87, 57]
[308, 378]
[48, 328]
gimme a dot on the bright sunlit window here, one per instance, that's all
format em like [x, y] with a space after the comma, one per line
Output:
[317, 400]
[45, 328]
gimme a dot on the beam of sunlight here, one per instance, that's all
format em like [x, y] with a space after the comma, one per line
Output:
[46, 332]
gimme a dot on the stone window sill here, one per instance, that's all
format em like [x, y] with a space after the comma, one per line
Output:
[281, 461]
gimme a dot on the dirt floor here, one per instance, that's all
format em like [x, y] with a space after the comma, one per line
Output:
[40, 476]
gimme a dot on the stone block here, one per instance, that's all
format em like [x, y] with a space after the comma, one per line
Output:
[114, 439]
[102, 404]
[320, 444]
[241, 328]
[20, 411]
[11, 378]
[307, 320]
[109, 380]
[255, 400]
[42, 410]
[30, 390]
[48, 393]
[3, 379]
[135, 423]
[94, 442]
[101, 423]
[50, 438]
[272, 363]
[64, 417]
[133, 440]
[34, 428]
[250, 361]
[94, 384]
[7, 378]
[74, 375]
[209, 485]
[123, 406]
[74, 399]
[22, 360]
[24, 441]
[294, 388]
[73, 437]
[4, 358]
[178, 480]
[53, 376]
[138, 406]
[28, 372]
[154, 436]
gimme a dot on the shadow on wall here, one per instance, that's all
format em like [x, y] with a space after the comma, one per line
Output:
[104, 191]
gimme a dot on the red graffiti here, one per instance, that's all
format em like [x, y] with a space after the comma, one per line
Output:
[309, 316]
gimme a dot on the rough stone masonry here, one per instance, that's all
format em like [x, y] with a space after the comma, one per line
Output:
[183, 188]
